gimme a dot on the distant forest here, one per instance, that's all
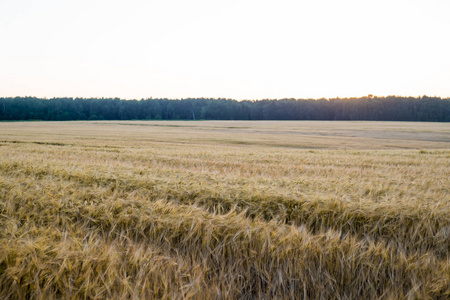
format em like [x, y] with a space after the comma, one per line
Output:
[391, 108]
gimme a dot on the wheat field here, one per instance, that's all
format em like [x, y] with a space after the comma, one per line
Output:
[224, 210]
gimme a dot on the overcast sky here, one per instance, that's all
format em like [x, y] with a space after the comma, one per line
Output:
[242, 49]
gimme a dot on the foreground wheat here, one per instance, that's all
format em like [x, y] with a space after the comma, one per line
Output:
[97, 212]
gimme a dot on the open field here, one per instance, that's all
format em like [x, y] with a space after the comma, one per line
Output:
[224, 210]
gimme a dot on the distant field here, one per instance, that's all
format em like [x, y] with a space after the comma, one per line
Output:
[224, 210]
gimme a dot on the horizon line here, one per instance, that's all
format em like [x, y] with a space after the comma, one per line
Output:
[370, 96]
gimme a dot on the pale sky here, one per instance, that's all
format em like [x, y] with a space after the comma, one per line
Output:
[242, 49]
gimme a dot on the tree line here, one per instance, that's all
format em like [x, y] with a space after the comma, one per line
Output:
[390, 108]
